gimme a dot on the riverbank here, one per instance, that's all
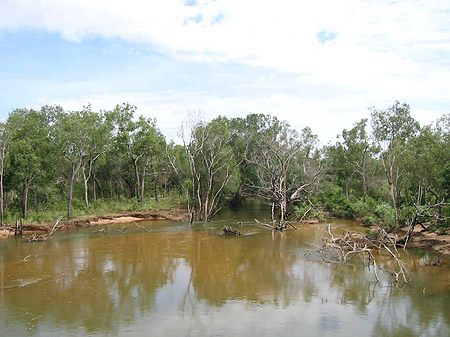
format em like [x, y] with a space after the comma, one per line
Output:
[173, 214]
[422, 239]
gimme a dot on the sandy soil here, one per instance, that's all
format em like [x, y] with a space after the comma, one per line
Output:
[176, 214]
[433, 241]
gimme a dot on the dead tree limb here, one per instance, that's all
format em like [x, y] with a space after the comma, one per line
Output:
[342, 249]
[228, 231]
[55, 227]
[278, 227]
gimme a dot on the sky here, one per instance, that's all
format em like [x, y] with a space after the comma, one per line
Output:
[318, 63]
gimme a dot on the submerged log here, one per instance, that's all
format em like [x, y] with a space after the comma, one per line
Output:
[278, 227]
[230, 231]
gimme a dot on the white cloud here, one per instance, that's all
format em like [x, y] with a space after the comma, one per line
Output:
[382, 51]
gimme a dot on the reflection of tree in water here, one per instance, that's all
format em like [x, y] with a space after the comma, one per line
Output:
[255, 269]
[354, 285]
[107, 282]
[92, 283]
[414, 315]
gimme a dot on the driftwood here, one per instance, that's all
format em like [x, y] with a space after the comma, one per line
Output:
[18, 229]
[228, 231]
[43, 237]
[36, 238]
[287, 225]
[103, 230]
[55, 227]
[342, 249]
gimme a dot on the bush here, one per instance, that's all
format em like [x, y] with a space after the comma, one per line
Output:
[313, 214]
[385, 213]
[335, 202]
[363, 209]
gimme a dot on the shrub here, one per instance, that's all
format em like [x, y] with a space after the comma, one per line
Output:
[385, 213]
[313, 214]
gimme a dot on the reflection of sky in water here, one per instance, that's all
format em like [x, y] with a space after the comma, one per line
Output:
[197, 283]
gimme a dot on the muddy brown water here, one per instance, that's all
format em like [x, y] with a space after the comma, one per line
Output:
[176, 280]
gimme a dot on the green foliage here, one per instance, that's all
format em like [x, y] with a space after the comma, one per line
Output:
[314, 213]
[335, 202]
[385, 214]
[102, 207]
[361, 209]
[378, 175]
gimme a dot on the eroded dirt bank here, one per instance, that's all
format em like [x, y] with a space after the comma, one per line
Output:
[175, 214]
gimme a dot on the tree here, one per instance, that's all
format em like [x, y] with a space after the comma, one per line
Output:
[212, 163]
[285, 169]
[427, 163]
[81, 137]
[140, 140]
[357, 153]
[30, 148]
[392, 129]
[5, 141]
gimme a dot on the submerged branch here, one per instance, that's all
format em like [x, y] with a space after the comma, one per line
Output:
[341, 249]
[284, 226]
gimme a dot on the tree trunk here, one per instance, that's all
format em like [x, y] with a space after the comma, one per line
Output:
[2, 211]
[136, 176]
[85, 183]
[26, 188]
[155, 180]
[94, 194]
[100, 190]
[72, 180]
[69, 204]
[143, 184]
[364, 186]
[394, 201]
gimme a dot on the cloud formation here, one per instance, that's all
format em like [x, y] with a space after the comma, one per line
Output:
[371, 51]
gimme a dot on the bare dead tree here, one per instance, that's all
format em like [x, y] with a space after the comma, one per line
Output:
[422, 215]
[342, 249]
[212, 164]
[285, 170]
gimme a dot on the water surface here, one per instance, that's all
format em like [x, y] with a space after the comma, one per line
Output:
[177, 280]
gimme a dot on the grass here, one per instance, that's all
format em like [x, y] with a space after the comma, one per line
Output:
[101, 207]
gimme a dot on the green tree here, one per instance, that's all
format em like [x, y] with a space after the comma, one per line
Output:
[81, 137]
[141, 141]
[358, 152]
[30, 147]
[392, 129]
[5, 141]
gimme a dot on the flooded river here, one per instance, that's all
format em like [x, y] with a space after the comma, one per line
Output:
[176, 280]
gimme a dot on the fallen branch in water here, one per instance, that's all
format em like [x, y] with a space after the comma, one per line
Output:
[103, 230]
[140, 227]
[279, 227]
[55, 227]
[230, 231]
[36, 238]
[341, 249]
[43, 237]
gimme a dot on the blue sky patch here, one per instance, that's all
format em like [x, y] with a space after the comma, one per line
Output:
[191, 3]
[326, 35]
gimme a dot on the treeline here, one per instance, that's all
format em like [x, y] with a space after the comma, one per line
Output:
[387, 171]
